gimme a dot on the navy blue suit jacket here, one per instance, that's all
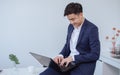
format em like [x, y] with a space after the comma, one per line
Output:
[88, 46]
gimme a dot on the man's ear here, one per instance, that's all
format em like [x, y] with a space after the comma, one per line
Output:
[81, 14]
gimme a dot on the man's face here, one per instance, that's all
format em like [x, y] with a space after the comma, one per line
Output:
[75, 19]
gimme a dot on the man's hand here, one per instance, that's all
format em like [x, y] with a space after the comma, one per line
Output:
[66, 61]
[58, 59]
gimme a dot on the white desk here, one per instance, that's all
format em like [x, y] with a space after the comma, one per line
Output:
[111, 66]
[21, 71]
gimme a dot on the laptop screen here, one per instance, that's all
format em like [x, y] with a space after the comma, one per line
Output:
[43, 60]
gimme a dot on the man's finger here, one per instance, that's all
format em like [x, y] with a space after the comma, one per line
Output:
[59, 60]
[66, 64]
[61, 63]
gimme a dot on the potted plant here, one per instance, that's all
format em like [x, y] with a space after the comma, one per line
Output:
[113, 39]
[115, 49]
[14, 59]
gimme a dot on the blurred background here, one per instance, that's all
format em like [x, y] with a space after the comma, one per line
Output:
[39, 26]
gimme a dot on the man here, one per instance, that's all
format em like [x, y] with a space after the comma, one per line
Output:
[82, 44]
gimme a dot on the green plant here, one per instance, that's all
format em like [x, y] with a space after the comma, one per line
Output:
[13, 57]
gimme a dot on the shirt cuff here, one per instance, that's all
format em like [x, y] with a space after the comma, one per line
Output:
[60, 55]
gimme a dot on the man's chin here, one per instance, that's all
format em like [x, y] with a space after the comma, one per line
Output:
[75, 25]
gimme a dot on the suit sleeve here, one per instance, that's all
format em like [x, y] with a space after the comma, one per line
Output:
[94, 44]
[65, 51]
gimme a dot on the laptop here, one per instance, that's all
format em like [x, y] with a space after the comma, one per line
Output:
[48, 62]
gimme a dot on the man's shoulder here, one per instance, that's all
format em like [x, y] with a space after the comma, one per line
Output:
[70, 26]
[90, 24]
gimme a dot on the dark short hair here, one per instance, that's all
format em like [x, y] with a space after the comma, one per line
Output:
[73, 8]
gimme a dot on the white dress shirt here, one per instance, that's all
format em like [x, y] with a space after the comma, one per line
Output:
[73, 41]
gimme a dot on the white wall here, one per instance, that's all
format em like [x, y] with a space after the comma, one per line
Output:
[31, 25]
[105, 14]
[39, 26]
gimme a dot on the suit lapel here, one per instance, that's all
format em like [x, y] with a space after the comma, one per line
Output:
[70, 33]
[81, 32]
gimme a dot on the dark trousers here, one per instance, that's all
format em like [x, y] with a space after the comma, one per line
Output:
[80, 70]
[51, 71]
